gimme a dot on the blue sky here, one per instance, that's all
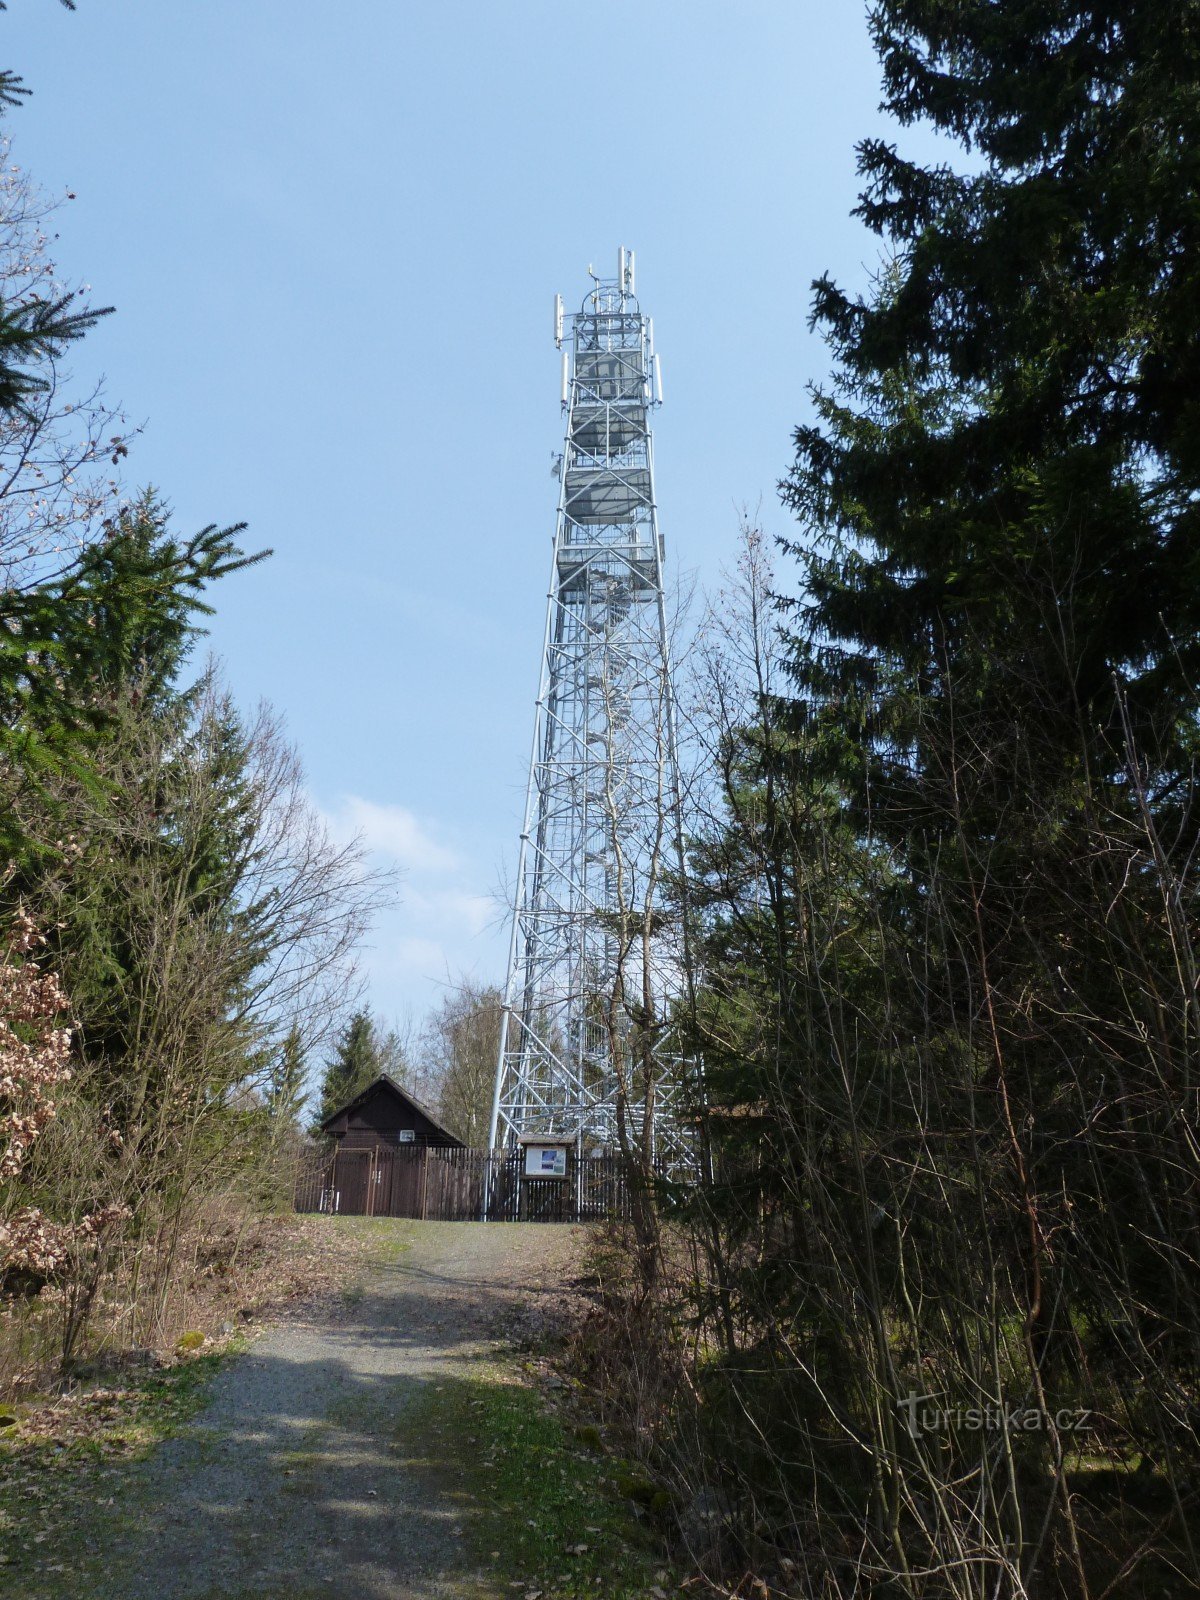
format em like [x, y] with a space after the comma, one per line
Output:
[333, 235]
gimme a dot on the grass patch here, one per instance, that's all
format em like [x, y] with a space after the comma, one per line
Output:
[62, 1469]
[64, 1466]
[377, 1241]
[385, 1239]
[534, 1505]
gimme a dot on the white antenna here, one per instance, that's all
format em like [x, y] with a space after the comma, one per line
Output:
[566, 378]
[621, 269]
[629, 273]
[558, 320]
[658, 380]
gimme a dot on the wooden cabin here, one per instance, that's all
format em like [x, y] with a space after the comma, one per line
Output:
[385, 1116]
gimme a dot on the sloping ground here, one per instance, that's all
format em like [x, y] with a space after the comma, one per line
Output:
[335, 1457]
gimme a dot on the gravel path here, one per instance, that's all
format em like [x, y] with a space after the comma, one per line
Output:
[301, 1478]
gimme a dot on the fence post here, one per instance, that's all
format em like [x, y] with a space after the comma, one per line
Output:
[425, 1184]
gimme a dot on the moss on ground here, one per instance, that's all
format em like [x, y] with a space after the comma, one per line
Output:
[387, 1238]
[534, 1505]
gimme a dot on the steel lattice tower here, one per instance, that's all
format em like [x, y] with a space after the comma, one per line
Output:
[585, 1044]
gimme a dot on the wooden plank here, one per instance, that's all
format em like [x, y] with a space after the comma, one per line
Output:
[456, 1185]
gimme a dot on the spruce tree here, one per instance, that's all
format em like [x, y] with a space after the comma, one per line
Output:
[1008, 462]
[115, 629]
[1001, 495]
[1000, 642]
[355, 1063]
[287, 1082]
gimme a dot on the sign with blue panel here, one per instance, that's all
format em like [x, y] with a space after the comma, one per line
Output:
[545, 1161]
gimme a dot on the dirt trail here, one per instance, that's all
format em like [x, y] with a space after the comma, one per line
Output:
[301, 1478]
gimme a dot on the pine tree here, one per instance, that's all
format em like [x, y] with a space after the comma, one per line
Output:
[115, 629]
[1002, 492]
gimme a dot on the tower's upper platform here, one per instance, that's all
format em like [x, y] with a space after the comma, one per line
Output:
[610, 382]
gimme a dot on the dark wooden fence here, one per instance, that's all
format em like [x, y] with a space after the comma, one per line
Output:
[458, 1186]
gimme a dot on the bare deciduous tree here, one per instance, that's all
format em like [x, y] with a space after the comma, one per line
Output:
[61, 448]
[458, 1048]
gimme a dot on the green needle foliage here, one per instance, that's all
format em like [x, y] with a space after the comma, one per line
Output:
[357, 1061]
[948, 938]
[1009, 455]
[287, 1085]
[34, 330]
[116, 627]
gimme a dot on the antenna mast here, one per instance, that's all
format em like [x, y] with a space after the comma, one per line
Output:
[585, 1047]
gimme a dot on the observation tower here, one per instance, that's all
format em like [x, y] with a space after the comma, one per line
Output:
[586, 1050]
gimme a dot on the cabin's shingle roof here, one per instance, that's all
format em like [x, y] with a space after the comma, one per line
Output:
[384, 1082]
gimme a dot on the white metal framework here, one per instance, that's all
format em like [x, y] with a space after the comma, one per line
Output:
[585, 1048]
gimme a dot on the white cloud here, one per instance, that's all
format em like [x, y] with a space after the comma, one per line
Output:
[417, 958]
[442, 924]
[395, 832]
[454, 909]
